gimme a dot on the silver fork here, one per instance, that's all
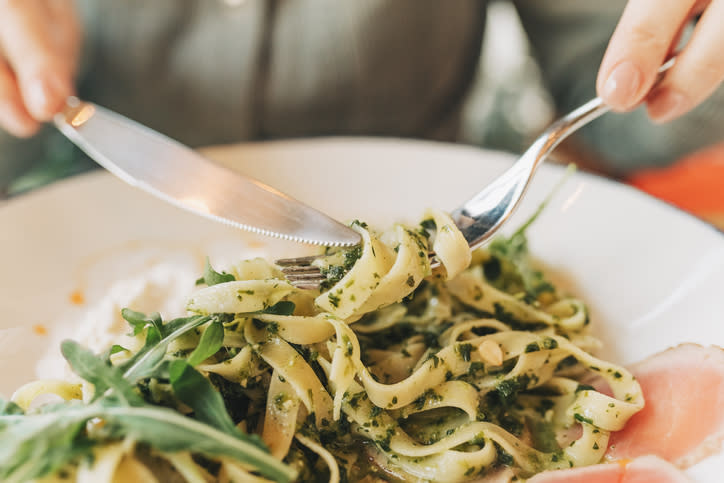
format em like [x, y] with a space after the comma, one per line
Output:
[481, 216]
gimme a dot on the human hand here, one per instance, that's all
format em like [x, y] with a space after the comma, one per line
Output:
[39, 51]
[647, 33]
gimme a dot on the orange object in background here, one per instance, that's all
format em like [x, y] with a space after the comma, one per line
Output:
[77, 298]
[694, 184]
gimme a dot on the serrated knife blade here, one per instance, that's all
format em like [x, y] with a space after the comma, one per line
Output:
[175, 173]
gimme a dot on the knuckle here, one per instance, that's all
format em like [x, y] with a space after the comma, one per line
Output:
[707, 71]
[37, 63]
[696, 79]
[646, 38]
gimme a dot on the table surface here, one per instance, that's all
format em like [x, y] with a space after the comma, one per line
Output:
[695, 184]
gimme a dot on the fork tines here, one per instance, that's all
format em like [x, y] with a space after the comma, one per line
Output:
[300, 272]
[299, 261]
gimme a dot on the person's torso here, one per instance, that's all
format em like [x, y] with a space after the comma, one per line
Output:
[205, 72]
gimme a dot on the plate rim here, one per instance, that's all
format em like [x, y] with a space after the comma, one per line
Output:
[97, 172]
[69, 184]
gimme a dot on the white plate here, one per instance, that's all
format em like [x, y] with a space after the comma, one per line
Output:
[652, 275]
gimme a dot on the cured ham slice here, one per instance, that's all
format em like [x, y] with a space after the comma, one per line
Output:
[647, 469]
[683, 419]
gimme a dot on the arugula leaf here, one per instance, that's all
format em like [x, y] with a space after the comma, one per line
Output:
[196, 391]
[147, 360]
[512, 269]
[9, 407]
[179, 324]
[212, 277]
[115, 349]
[285, 307]
[97, 372]
[136, 320]
[40, 443]
[36, 445]
[140, 321]
[167, 430]
[209, 344]
[150, 363]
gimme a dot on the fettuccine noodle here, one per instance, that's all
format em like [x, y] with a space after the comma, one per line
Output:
[444, 376]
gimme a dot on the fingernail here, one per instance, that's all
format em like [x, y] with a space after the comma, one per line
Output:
[44, 96]
[665, 105]
[621, 87]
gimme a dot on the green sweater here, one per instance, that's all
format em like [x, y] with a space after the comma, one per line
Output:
[208, 72]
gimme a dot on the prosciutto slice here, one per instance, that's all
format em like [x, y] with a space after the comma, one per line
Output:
[681, 423]
[683, 419]
[647, 469]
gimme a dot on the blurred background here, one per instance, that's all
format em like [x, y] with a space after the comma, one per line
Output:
[510, 106]
[507, 108]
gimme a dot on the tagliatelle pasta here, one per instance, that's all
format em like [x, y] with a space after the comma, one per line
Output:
[388, 372]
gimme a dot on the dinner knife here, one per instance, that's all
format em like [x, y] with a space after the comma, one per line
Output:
[175, 173]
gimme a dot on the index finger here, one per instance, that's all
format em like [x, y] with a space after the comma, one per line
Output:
[42, 73]
[639, 45]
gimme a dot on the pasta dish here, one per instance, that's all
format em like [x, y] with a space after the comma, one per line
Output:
[391, 371]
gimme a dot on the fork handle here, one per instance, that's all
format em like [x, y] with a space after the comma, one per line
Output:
[578, 118]
[481, 216]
